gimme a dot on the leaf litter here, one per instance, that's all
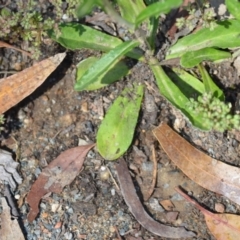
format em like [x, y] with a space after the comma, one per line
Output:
[208, 172]
[18, 86]
[59, 173]
[222, 226]
[136, 208]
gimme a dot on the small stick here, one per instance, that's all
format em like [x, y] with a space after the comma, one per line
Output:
[118, 235]
[115, 183]
[150, 192]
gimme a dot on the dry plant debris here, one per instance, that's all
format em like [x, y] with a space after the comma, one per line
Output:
[209, 173]
[6, 45]
[59, 173]
[136, 208]
[9, 228]
[18, 86]
[8, 169]
[222, 226]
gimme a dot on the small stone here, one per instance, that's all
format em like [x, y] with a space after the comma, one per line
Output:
[58, 225]
[48, 110]
[84, 107]
[219, 207]
[67, 119]
[68, 235]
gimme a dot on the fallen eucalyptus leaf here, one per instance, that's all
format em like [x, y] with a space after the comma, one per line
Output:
[130, 196]
[209, 173]
[222, 226]
[59, 173]
[18, 86]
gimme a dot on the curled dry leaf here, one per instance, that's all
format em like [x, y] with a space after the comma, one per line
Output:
[8, 170]
[9, 228]
[18, 86]
[209, 173]
[136, 208]
[59, 173]
[222, 226]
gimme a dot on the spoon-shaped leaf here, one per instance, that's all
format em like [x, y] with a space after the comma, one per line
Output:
[116, 131]
[117, 72]
[193, 58]
[175, 95]
[77, 36]
[104, 65]
[224, 35]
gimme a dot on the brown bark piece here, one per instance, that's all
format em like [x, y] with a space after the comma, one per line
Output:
[209, 173]
[136, 208]
[9, 229]
[15, 88]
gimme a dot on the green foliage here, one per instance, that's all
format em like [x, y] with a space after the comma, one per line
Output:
[192, 59]
[217, 115]
[26, 23]
[107, 62]
[2, 120]
[178, 87]
[116, 131]
[117, 72]
[224, 35]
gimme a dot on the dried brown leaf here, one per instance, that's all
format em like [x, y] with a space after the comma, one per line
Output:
[136, 208]
[9, 229]
[59, 173]
[222, 226]
[15, 88]
[209, 173]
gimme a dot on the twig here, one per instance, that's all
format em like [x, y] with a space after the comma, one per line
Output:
[115, 183]
[150, 192]
[118, 235]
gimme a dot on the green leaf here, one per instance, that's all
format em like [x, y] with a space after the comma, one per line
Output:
[77, 36]
[130, 9]
[86, 6]
[155, 9]
[114, 74]
[193, 58]
[189, 85]
[175, 96]
[209, 85]
[224, 35]
[233, 7]
[116, 131]
[104, 65]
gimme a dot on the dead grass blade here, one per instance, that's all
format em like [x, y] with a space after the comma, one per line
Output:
[136, 208]
[209, 173]
[59, 173]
